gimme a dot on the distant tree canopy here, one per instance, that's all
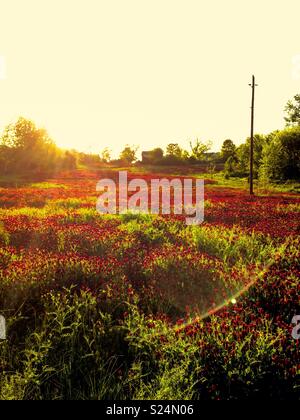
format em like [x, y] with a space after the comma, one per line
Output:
[281, 156]
[105, 155]
[243, 154]
[128, 154]
[292, 110]
[26, 149]
[276, 156]
[88, 159]
[174, 155]
[228, 150]
[198, 149]
[231, 166]
[69, 160]
[174, 150]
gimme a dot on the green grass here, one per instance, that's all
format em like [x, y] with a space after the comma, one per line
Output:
[48, 185]
[78, 329]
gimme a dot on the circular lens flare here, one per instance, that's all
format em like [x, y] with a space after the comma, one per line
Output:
[218, 267]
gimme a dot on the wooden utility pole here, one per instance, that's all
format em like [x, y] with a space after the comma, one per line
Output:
[253, 85]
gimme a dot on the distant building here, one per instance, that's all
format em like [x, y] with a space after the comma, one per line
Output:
[152, 156]
[147, 157]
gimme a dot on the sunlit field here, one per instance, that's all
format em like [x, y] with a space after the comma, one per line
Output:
[144, 307]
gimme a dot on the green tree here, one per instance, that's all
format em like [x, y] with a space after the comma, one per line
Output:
[6, 159]
[281, 157]
[25, 135]
[128, 155]
[30, 149]
[174, 150]
[198, 149]
[292, 110]
[228, 150]
[243, 154]
[105, 155]
[230, 166]
[69, 161]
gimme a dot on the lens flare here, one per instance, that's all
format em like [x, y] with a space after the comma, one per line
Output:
[217, 267]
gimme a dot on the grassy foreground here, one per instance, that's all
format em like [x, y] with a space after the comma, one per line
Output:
[104, 307]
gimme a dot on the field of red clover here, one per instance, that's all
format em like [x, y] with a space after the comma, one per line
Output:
[104, 306]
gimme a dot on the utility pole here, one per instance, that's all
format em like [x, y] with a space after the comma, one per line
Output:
[253, 85]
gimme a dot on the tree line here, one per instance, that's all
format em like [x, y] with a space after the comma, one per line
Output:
[26, 150]
[276, 155]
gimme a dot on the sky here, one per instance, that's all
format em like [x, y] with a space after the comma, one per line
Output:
[99, 73]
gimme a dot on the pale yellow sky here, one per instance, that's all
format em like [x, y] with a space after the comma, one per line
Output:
[102, 73]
